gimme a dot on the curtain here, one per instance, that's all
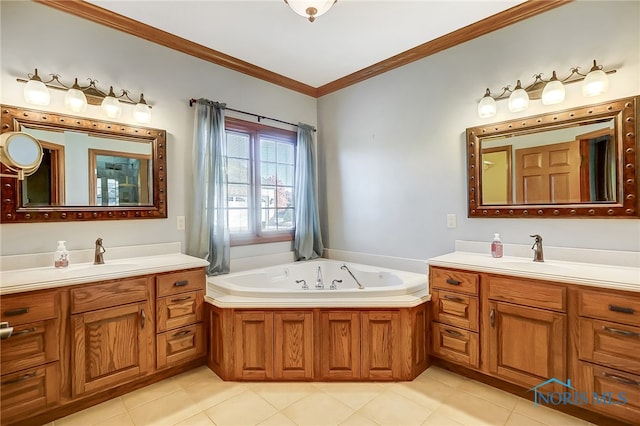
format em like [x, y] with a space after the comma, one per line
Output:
[208, 235]
[307, 242]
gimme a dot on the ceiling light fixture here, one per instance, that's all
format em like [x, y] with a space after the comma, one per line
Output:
[551, 91]
[310, 9]
[78, 97]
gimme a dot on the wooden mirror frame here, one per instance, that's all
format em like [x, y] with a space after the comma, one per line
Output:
[623, 111]
[12, 210]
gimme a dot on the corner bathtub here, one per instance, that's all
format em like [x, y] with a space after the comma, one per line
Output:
[276, 287]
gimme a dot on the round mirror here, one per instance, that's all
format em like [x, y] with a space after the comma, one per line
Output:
[20, 151]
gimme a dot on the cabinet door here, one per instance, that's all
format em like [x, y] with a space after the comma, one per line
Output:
[293, 345]
[111, 346]
[340, 345]
[28, 391]
[381, 352]
[253, 345]
[527, 345]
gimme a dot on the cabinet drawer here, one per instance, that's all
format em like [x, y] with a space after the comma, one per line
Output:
[528, 293]
[179, 310]
[447, 279]
[621, 392]
[613, 307]
[455, 309]
[28, 307]
[456, 344]
[91, 297]
[181, 345]
[615, 345]
[28, 391]
[180, 282]
[30, 345]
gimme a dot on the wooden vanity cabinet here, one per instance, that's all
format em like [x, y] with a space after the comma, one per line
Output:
[340, 345]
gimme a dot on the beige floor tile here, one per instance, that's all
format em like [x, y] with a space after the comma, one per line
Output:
[200, 419]
[427, 392]
[546, 415]
[390, 408]
[281, 395]
[318, 409]
[166, 410]
[247, 408]
[149, 393]
[354, 395]
[197, 374]
[491, 394]
[437, 419]
[278, 419]
[119, 420]
[470, 410]
[445, 376]
[207, 393]
[357, 419]
[517, 419]
[93, 415]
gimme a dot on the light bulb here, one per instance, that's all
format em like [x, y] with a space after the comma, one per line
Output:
[519, 99]
[596, 82]
[553, 92]
[75, 99]
[111, 106]
[35, 91]
[142, 111]
[487, 106]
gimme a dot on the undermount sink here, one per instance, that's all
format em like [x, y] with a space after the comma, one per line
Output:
[531, 266]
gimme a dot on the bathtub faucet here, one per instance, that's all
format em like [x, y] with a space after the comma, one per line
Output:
[334, 284]
[344, 267]
[319, 282]
[304, 284]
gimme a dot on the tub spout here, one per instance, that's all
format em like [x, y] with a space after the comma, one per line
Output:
[344, 267]
[319, 282]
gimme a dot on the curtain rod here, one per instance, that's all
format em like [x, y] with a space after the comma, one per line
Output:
[258, 116]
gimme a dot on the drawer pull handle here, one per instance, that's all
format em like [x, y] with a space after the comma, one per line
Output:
[454, 298]
[143, 318]
[182, 333]
[26, 331]
[453, 282]
[20, 379]
[492, 318]
[621, 379]
[14, 312]
[622, 332]
[181, 299]
[621, 309]
[453, 332]
[181, 283]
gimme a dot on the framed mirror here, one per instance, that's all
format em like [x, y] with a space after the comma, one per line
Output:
[581, 162]
[90, 170]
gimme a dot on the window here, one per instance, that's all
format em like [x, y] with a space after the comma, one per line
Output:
[260, 173]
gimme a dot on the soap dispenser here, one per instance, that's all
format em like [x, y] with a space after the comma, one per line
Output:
[496, 246]
[61, 257]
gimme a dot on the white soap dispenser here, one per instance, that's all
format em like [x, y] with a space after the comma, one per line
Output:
[496, 246]
[61, 257]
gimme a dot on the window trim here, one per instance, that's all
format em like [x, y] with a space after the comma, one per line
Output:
[258, 236]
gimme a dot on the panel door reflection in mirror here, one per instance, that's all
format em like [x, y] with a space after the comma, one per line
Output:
[570, 165]
[91, 170]
[580, 162]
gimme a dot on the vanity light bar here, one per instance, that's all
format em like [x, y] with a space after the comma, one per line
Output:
[78, 97]
[551, 91]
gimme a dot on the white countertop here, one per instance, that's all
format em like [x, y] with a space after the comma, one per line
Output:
[28, 279]
[589, 274]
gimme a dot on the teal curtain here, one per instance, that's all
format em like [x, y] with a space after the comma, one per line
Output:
[207, 230]
[307, 242]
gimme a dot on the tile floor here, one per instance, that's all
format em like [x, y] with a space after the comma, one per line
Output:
[436, 397]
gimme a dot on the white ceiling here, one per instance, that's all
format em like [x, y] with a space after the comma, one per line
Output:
[353, 35]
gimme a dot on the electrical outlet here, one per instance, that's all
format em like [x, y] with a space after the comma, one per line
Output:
[451, 221]
[180, 223]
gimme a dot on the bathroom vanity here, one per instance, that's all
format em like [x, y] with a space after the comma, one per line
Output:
[87, 333]
[525, 323]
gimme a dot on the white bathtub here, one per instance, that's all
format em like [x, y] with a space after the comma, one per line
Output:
[279, 287]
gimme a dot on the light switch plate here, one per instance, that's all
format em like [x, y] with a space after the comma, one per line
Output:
[451, 221]
[180, 223]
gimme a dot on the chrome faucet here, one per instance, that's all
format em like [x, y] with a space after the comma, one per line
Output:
[538, 256]
[98, 258]
[334, 284]
[344, 267]
[319, 282]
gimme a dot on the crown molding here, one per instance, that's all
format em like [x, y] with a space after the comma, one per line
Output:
[121, 23]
